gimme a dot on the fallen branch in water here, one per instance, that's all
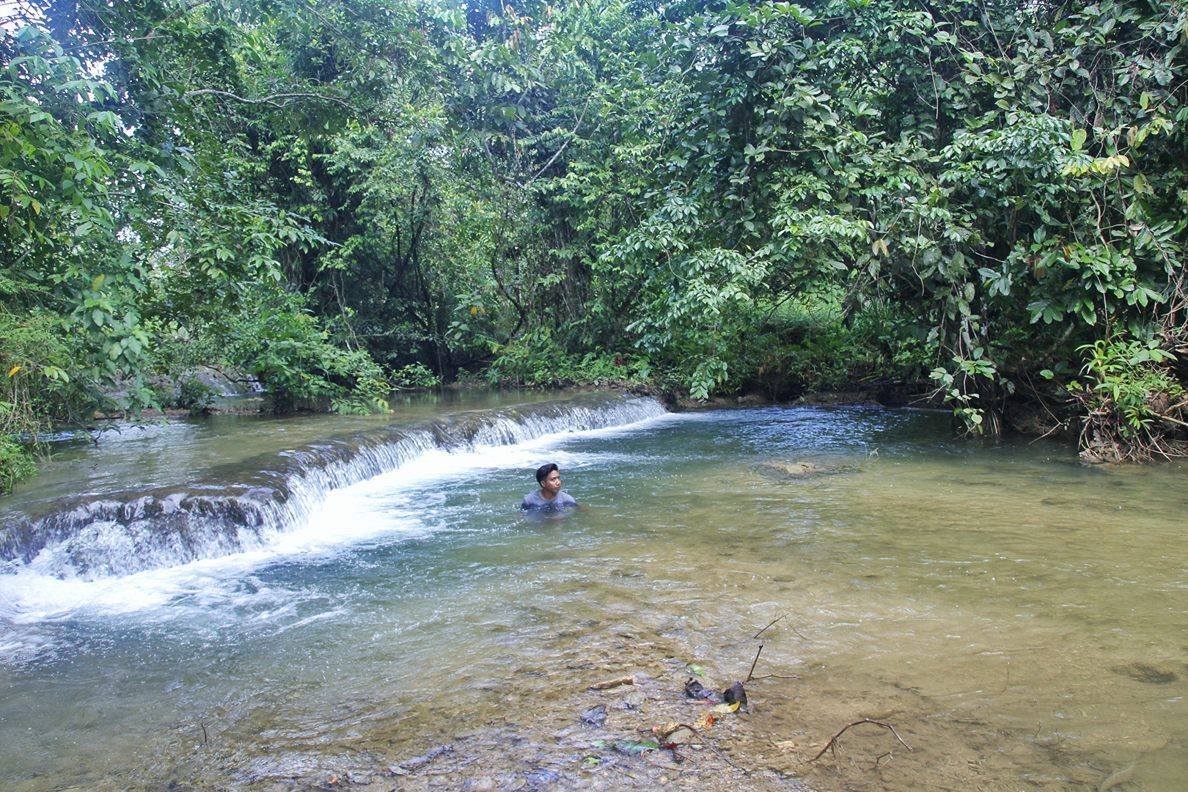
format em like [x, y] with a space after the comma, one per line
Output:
[613, 683]
[769, 624]
[751, 673]
[775, 676]
[1117, 778]
[833, 740]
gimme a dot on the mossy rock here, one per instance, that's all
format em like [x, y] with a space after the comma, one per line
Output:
[800, 469]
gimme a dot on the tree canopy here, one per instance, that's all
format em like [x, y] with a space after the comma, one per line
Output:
[987, 200]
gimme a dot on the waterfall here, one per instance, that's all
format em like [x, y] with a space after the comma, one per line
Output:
[94, 537]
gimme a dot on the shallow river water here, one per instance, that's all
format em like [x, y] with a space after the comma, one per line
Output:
[1021, 621]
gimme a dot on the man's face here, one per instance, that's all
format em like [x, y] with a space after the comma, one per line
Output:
[552, 482]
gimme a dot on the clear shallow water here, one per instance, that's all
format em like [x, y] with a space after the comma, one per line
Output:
[1019, 618]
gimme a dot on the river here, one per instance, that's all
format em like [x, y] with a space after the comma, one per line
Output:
[358, 602]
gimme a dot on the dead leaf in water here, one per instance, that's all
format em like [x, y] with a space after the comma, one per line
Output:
[706, 720]
[725, 709]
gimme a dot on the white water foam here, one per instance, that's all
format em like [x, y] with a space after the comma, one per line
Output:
[342, 518]
[118, 536]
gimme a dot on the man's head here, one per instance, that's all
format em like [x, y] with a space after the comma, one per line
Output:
[549, 478]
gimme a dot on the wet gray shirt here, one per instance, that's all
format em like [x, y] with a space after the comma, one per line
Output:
[533, 500]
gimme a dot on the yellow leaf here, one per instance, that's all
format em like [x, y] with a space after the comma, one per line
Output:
[12, 372]
[726, 708]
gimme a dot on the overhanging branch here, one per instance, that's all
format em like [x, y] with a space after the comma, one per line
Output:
[277, 100]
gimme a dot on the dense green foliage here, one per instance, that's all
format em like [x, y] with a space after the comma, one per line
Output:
[989, 199]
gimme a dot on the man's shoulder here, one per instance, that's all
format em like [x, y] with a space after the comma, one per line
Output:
[533, 500]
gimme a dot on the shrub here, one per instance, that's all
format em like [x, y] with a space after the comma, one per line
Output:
[1127, 393]
[39, 383]
[415, 375]
[290, 353]
[16, 463]
[536, 359]
[194, 396]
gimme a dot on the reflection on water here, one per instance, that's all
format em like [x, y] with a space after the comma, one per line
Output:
[1018, 618]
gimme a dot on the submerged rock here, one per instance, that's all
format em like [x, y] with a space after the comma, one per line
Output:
[595, 716]
[1141, 672]
[418, 762]
[798, 469]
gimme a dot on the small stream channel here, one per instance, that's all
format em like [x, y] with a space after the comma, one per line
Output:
[358, 602]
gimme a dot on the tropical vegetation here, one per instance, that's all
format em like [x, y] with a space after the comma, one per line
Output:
[985, 203]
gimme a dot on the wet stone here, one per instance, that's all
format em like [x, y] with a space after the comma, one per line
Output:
[595, 716]
[542, 777]
[662, 759]
[418, 762]
[633, 701]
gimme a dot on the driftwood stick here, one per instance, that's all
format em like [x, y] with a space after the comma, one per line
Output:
[751, 673]
[833, 739]
[769, 624]
[1173, 420]
[774, 676]
[613, 683]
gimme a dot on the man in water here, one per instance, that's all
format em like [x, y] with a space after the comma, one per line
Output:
[549, 496]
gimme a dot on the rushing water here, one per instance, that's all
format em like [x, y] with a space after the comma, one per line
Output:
[1019, 619]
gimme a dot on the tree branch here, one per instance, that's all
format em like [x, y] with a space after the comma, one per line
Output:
[277, 100]
[833, 739]
[568, 140]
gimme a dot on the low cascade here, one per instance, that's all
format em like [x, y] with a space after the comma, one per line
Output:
[91, 537]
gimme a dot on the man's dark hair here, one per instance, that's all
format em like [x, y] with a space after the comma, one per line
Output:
[543, 472]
